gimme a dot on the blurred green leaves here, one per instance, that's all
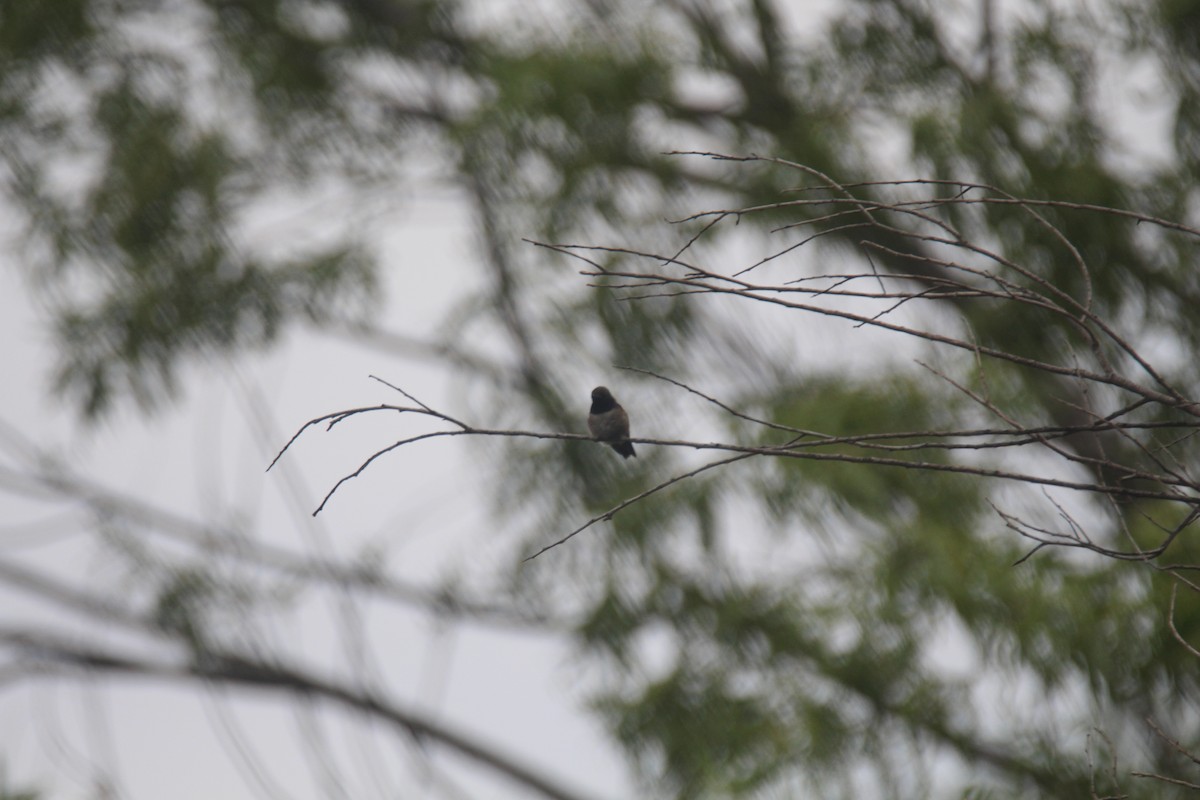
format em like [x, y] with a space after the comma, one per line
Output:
[140, 258]
[41, 28]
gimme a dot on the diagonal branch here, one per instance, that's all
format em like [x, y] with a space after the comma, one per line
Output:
[51, 653]
[608, 515]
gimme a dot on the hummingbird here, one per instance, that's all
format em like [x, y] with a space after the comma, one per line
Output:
[608, 422]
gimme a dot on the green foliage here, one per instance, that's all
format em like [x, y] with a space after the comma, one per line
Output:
[174, 286]
[41, 28]
[182, 606]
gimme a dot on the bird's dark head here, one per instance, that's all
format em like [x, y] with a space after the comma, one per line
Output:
[602, 400]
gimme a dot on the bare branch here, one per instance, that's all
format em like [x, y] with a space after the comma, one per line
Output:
[1179, 638]
[608, 515]
[910, 222]
[1176, 746]
[1166, 779]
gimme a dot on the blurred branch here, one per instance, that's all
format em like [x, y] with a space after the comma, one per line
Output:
[398, 344]
[43, 474]
[50, 652]
[87, 603]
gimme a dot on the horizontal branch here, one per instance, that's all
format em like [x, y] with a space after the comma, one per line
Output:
[788, 450]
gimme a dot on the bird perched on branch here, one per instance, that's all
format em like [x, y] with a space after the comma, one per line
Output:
[608, 422]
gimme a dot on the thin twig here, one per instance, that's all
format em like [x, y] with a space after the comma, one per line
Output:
[608, 515]
[1179, 638]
